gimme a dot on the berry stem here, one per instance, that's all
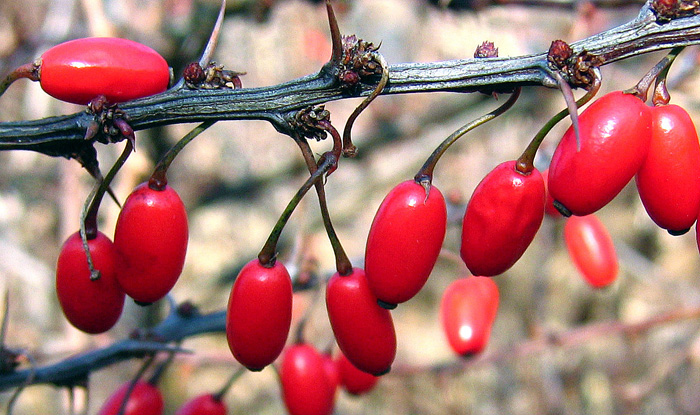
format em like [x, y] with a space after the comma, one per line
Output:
[28, 70]
[342, 262]
[349, 149]
[269, 251]
[158, 373]
[159, 179]
[525, 162]
[641, 90]
[88, 216]
[134, 381]
[426, 172]
[661, 95]
[218, 396]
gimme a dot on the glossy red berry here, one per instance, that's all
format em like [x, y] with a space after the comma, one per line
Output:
[151, 237]
[306, 389]
[502, 218]
[669, 179]
[206, 404]
[549, 208]
[363, 330]
[354, 380]
[592, 250]
[120, 69]
[615, 131]
[467, 311]
[145, 399]
[259, 314]
[93, 306]
[404, 241]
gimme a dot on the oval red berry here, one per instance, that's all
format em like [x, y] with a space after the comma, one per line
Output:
[144, 399]
[592, 250]
[93, 306]
[203, 405]
[306, 389]
[404, 241]
[502, 217]
[615, 131]
[259, 314]
[363, 330]
[354, 380]
[467, 311]
[120, 69]
[669, 180]
[151, 238]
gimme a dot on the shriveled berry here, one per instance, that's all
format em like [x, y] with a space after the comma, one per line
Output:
[120, 69]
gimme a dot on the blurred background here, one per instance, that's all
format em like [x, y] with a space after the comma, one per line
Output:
[236, 178]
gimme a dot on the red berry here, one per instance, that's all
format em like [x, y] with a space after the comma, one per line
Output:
[151, 237]
[203, 405]
[591, 248]
[145, 399]
[364, 330]
[306, 389]
[332, 370]
[467, 311]
[669, 179]
[549, 208]
[502, 218]
[93, 306]
[354, 380]
[615, 131]
[404, 241]
[259, 314]
[120, 69]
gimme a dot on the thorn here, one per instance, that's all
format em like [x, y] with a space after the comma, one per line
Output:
[126, 131]
[336, 40]
[214, 37]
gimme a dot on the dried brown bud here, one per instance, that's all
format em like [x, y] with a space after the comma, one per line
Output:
[194, 74]
[486, 50]
[310, 122]
[667, 10]
[559, 53]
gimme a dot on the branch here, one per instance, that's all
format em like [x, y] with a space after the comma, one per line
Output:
[176, 327]
[64, 136]
[574, 337]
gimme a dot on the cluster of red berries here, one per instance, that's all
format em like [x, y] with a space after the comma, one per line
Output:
[146, 399]
[150, 239]
[144, 262]
[619, 137]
